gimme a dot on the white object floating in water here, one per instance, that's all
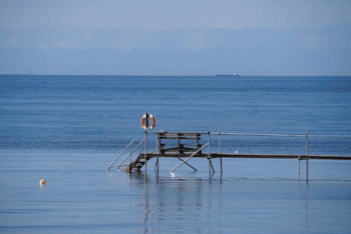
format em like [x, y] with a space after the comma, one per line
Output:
[236, 152]
[42, 182]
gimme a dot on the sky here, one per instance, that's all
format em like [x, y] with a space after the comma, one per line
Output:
[176, 37]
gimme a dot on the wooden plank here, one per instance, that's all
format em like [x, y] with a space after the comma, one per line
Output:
[178, 134]
[182, 137]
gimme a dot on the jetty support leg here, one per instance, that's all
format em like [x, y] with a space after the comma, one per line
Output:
[158, 168]
[156, 164]
[211, 165]
[221, 165]
[306, 169]
[298, 169]
[220, 149]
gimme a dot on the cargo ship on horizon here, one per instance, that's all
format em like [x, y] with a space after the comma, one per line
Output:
[234, 74]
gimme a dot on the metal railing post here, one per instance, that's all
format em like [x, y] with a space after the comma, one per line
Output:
[131, 151]
[145, 153]
[209, 153]
[306, 155]
[220, 148]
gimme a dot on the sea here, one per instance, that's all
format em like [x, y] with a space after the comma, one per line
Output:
[68, 129]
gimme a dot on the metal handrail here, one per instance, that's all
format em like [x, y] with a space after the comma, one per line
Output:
[278, 135]
[259, 134]
[130, 154]
[111, 164]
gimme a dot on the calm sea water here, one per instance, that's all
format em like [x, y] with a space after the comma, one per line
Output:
[67, 129]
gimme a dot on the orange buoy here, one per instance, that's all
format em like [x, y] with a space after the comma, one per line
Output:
[42, 182]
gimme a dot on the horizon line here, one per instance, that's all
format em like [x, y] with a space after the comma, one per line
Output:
[25, 74]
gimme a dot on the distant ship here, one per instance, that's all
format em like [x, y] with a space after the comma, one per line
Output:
[234, 74]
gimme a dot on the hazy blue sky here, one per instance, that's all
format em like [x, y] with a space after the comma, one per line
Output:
[175, 37]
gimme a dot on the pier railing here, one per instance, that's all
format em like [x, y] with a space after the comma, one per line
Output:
[159, 145]
[188, 144]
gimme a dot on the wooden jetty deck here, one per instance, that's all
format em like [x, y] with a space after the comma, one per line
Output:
[187, 145]
[243, 155]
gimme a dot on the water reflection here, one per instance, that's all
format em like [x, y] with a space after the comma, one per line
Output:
[205, 205]
[307, 196]
[169, 200]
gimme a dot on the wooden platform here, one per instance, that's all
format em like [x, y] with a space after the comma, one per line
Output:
[240, 155]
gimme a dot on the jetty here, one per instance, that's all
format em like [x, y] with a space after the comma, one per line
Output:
[187, 145]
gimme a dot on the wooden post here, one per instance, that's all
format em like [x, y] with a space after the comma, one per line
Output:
[178, 142]
[158, 143]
